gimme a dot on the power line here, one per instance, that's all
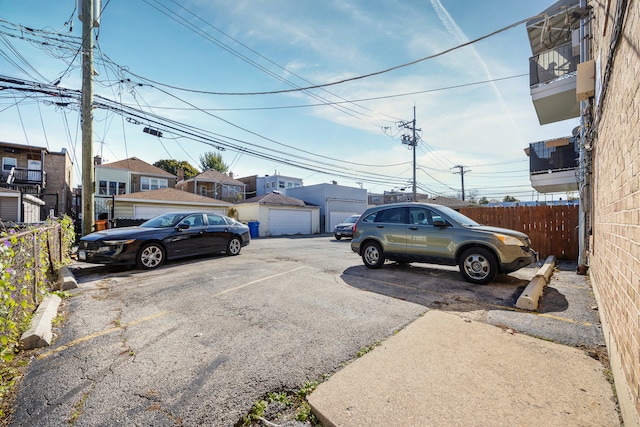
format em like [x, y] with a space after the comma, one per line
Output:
[351, 79]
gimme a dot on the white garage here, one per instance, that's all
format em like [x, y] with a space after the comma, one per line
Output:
[289, 221]
[280, 215]
[147, 204]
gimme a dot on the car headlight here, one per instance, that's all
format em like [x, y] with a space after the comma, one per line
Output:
[510, 240]
[118, 242]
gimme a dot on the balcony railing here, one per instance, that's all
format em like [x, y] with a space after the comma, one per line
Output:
[553, 64]
[553, 165]
[25, 177]
[544, 156]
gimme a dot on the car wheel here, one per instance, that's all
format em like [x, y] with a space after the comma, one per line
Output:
[478, 266]
[234, 246]
[150, 256]
[337, 237]
[372, 255]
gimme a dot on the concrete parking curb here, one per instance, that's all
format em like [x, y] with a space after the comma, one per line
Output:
[529, 298]
[66, 280]
[40, 334]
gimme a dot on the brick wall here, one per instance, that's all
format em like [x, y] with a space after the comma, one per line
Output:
[59, 170]
[614, 256]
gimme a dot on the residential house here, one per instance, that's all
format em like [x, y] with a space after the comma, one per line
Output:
[590, 47]
[268, 183]
[126, 176]
[40, 173]
[216, 185]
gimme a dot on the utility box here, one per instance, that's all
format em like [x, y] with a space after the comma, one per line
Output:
[586, 84]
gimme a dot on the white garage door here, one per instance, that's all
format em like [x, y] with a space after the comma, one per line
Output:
[289, 222]
[336, 218]
[146, 212]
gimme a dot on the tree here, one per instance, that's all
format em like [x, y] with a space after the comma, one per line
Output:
[483, 201]
[508, 198]
[172, 167]
[211, 160]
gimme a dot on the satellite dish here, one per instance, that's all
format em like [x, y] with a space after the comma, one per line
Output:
[576, 131]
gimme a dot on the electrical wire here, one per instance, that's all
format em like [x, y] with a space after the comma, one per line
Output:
[351, 79]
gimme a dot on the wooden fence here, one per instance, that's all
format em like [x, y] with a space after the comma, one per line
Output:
[553, 230]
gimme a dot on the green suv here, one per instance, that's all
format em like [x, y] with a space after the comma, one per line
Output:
[420, 232]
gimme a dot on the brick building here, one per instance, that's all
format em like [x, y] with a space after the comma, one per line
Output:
[613, 204]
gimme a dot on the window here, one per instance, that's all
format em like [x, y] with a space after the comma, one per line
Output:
[268, 185]
[421, 216]
[111, 188]
[194, 220]
[216, 219]
[147, 183]
[280, 184]
[8, 163]
[289, 184]
[34, 165]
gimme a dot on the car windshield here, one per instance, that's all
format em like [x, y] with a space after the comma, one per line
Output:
[163, 221]
[458, 217]
[351, 220]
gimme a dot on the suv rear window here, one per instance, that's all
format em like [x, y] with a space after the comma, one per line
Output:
[392, 215]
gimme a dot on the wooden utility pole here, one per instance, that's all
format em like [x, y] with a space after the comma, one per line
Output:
[88, 180]
[412, 141]
[461, 171]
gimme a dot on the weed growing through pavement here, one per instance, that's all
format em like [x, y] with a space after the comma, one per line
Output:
[282, 406]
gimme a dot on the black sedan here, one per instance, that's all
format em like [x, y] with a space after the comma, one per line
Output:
[168, 236]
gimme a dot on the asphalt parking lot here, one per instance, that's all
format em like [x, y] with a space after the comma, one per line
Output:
[198, 341]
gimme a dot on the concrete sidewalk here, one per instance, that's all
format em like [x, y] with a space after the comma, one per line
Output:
[445, 370]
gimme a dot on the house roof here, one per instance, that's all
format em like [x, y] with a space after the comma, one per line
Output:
[8, 190]
[135, 165]
[22, 146]
[275, 199]
[212, 175]
[450, 202]
[170, 195]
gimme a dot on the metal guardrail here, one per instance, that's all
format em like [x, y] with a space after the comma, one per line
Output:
[553, 64]
[543, 158]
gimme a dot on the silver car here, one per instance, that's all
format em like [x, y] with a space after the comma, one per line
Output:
[345, 228]
[419, 232]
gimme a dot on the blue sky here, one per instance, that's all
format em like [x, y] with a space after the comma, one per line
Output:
[202, 67]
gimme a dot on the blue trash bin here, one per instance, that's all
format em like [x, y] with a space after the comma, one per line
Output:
[254, 228]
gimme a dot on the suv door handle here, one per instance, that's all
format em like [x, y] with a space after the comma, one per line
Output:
[413, 228]
[379, 226]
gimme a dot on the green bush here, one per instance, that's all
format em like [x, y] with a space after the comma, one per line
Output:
[29, 259]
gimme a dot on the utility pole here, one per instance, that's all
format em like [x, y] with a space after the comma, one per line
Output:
[461, 171]
[413, 142]
[88, 180]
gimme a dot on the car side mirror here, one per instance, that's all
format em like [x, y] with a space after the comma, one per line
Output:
[440, 223]
[182, 226]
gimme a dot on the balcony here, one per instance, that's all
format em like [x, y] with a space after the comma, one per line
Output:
[28, 180]
[555, 46]
[552, 82]
[553, 165]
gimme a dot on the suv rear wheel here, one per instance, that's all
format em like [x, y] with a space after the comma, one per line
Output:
[372, 255]
[478, 266]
